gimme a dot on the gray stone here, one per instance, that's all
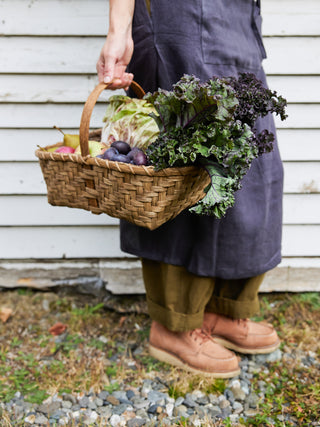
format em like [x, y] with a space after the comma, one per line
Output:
[57, 415]
[234, 418]
[200, 411]
[126, 401]
[105, 411]
[275, 356]
[66, 404]
[49, 408]
[119, 394]
[141, 413]
[130, 394]
[180, 411]
[238, 393]
[245, 386]
[156, 396]
[92, 406]
[229, 395]
[136, 422]
[84, 402]
[30, 418]
[237, 408]
[224, 404]
[190, 403]
[213, 398]
[115, 420]
[41, 419]
[253, 400]
[153, 409]
[120, 409]
[103, 394]
[202, 400]
[98, 402]
[251, 412]
[179, 401]
[140, 403]
[225, 412]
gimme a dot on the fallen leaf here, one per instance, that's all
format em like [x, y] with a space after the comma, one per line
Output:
[5, 313]
[122, 320]
[58, 328]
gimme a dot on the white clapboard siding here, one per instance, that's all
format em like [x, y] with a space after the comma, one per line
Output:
[74, 17]
[47, 115]
[290, 17]
[20, 144]
[103, 242]
[35, 210]
[69, 115]
[296, 89]
[26, 178]
[301, 240]
[60, 242]
[78, 55]
[50, 88]
[76, 88]
[299, 144]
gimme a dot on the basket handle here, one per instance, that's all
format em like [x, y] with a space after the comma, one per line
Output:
[88, 108]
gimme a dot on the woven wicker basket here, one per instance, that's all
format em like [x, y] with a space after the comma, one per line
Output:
[137, 194]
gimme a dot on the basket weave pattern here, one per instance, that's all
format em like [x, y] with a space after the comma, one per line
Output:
[138, 194]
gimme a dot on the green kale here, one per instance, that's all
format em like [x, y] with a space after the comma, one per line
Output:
[211, 125]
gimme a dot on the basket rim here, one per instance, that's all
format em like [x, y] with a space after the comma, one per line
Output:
[113, 165]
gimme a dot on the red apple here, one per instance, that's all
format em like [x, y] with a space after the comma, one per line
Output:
[65, 149]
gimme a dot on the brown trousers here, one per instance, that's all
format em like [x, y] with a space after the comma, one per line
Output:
[178, 299]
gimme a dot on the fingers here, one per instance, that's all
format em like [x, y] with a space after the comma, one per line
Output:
[114, 58]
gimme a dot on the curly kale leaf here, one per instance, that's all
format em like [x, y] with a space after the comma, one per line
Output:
[192, 102]
[219, 194]
[254, 99]
[211, 124]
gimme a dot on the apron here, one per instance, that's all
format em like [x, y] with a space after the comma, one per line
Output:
[209, 38]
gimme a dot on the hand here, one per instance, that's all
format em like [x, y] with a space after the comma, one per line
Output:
[114, 58]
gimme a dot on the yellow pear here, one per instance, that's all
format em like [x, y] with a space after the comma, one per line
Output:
[71, 140]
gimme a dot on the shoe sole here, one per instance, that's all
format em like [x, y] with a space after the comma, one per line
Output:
[235, 347]
[169, 358]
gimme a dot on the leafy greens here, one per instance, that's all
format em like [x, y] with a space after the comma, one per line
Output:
[128, 119]
[211, 124]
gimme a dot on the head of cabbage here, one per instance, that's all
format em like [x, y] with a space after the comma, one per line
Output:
[128, 119]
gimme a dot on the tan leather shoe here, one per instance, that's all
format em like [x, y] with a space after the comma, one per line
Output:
[194, 351]
[242, 335]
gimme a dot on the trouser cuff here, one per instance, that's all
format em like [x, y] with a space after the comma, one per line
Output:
[233, 308]
[177, 322]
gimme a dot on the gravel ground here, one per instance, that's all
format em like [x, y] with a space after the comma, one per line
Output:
[151, 405]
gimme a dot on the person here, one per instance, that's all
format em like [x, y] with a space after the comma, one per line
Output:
[201, 274]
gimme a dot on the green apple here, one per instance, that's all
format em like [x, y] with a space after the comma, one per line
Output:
[95, 148]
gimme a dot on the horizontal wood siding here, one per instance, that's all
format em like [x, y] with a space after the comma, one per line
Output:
[47, 83]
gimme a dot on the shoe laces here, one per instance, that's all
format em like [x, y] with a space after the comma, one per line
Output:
[200, 334]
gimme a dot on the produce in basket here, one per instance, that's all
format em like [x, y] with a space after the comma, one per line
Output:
[212, 124]
[128, 119]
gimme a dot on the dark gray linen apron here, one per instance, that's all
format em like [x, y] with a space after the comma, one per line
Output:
[209, 38]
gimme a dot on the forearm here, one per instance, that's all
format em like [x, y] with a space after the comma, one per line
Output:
[120, 16]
